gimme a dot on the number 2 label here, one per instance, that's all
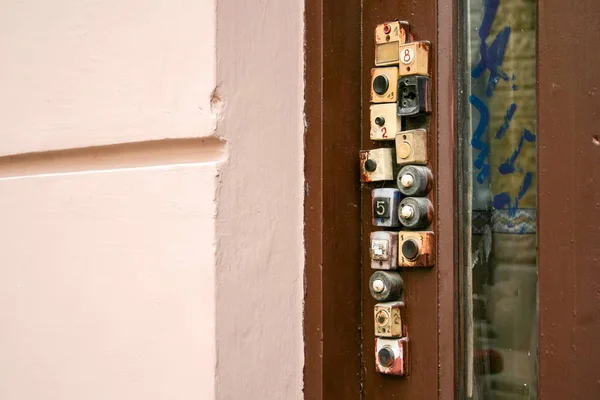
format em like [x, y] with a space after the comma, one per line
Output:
[384, 132]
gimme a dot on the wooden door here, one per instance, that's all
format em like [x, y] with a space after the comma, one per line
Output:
[569, 199]
[428, 293]
[339, 357]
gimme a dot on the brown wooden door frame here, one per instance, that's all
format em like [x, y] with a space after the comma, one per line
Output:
[429, 293]
[335, 94]
[332, 314]
[568, 198]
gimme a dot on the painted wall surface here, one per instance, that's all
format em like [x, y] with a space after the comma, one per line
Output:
[78, 73]
[150, 200]
[107, 285]
[260, 219]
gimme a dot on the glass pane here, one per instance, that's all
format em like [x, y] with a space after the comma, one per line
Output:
[497, 189]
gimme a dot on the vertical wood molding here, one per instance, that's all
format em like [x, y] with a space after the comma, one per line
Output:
[421, 284]
[447, 204]
[568, 199]
[332, 214]
[338, 35]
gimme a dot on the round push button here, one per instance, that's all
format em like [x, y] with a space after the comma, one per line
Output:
[378, 286]
[404, 150]
[414, 180]
[382, 318]
[370, 165]
[407, 212]
[410, 249]
[380, 84]
[386, 286]
[407, 180]
[380, 121]
[415, 212]
[386, 357]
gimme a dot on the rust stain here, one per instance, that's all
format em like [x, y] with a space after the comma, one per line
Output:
[423, 44]
[404, 34]
[365, 176]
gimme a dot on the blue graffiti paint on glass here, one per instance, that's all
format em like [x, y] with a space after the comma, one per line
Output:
[510, 112]
[508, 166]
[492, 58]
[500, 269]
[503, 200]
[477, 142]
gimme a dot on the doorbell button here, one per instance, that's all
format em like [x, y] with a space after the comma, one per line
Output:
[391, 356]
[386, 357]
[411, 147]
[407, 212]
[378, 286]
[381, 84]
[414, 180]
[410, 249]
[388, 319]
[376, 165]
[416, 249]
[384, 85]
[384, 250]
[385, 122]
[392, 286]
[370, 165]
[416, 212]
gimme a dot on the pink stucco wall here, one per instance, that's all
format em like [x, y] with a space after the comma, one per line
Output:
[151, 199]
[260, 253]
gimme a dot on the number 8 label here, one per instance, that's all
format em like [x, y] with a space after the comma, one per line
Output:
[407, 56]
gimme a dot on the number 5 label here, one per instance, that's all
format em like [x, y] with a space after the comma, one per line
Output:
[384, 202]
[381, 207]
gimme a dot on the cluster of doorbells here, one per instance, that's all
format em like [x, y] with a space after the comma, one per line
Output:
[400, 94]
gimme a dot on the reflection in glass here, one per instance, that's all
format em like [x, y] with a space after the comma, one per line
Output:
[498, 195]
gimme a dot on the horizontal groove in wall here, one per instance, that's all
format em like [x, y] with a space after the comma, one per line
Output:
[127, 155]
